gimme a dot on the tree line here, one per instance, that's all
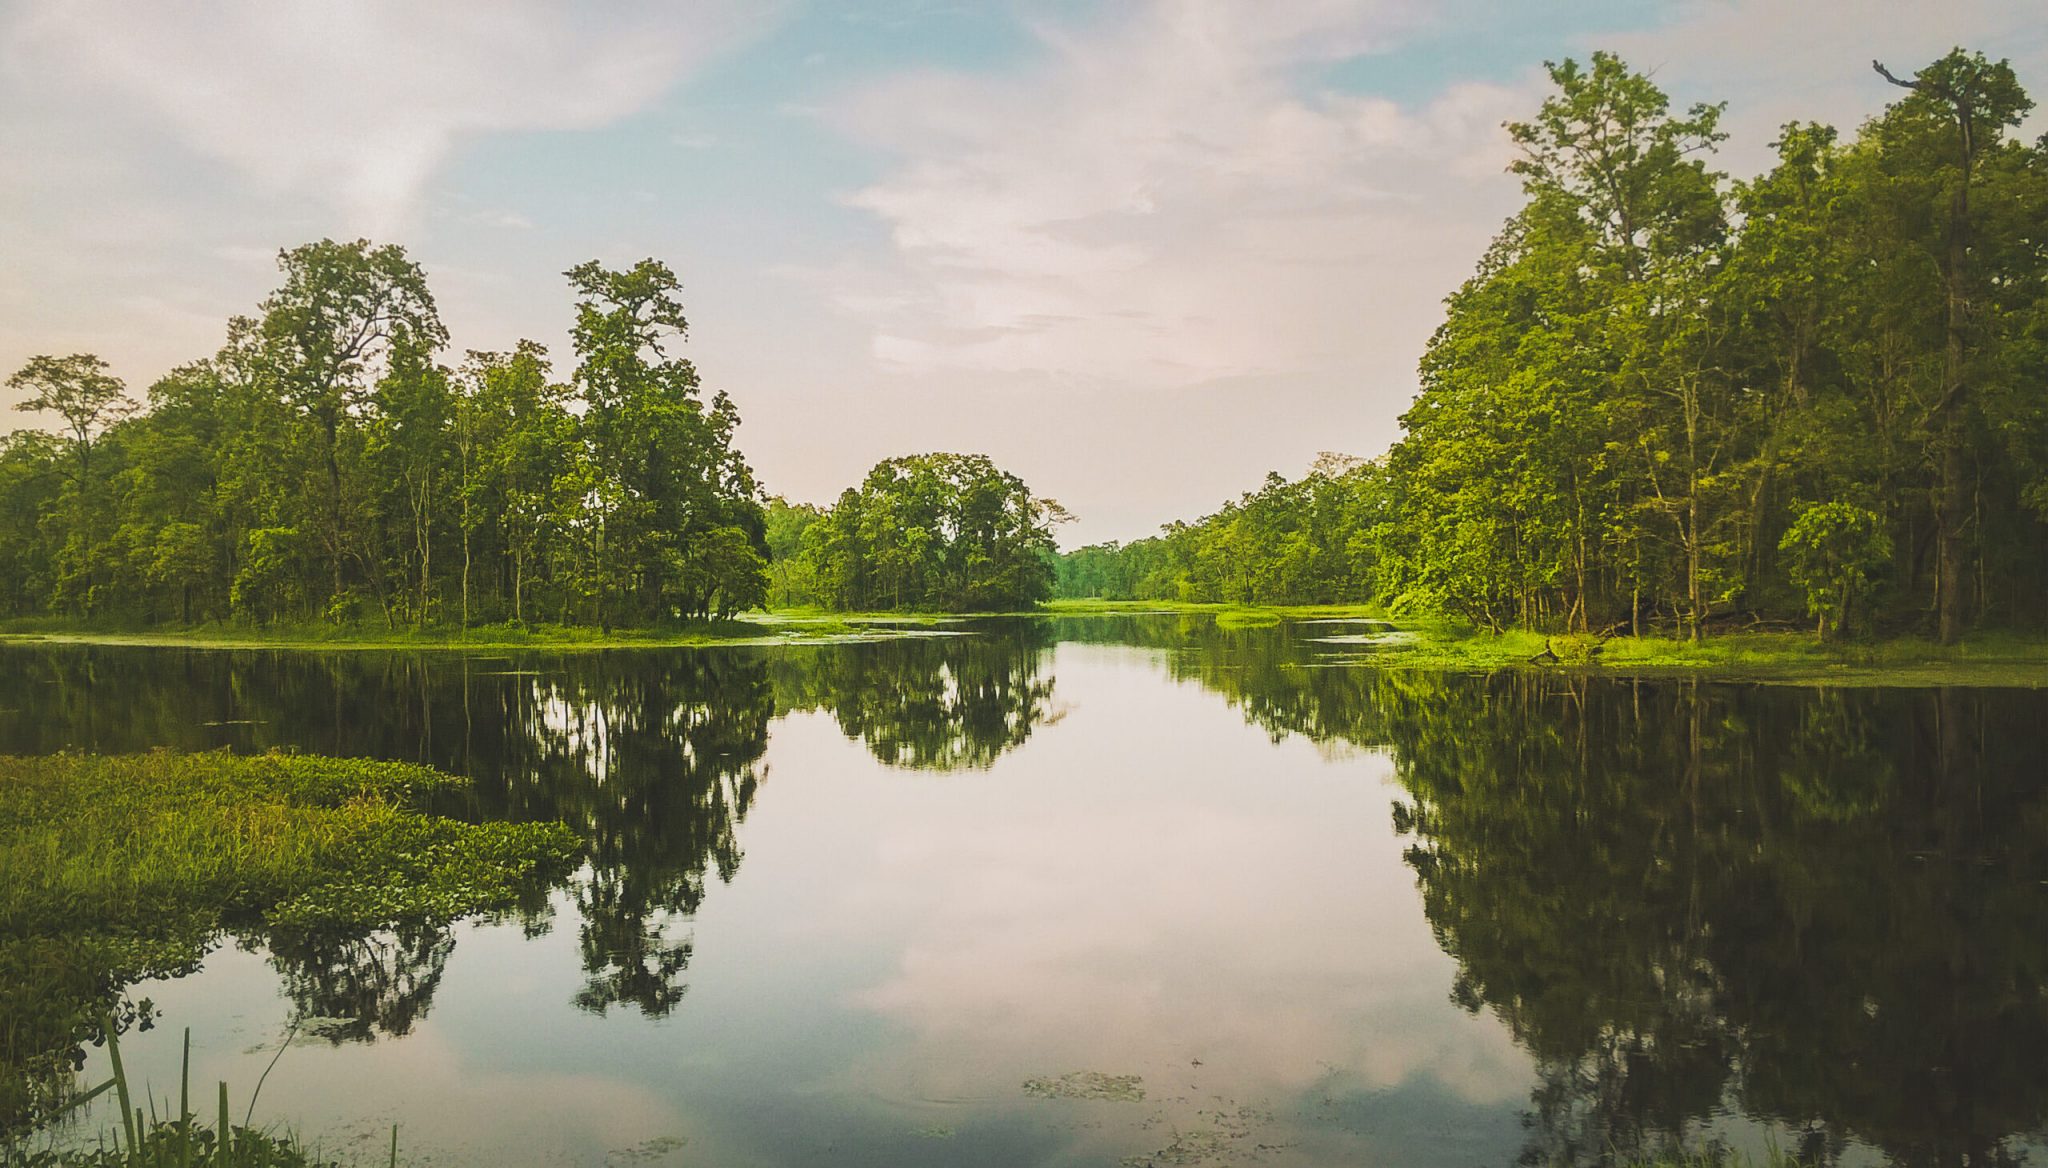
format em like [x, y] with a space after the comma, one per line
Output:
[938, 532]
[1668, 398]
[325, 465]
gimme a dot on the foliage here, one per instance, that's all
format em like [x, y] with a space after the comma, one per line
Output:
[325, 466]
[1832, 553]
[1303, 542]
[945, 532]
[117, 867]
[1654, 373]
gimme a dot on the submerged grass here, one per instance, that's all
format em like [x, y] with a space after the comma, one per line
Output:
[115, 868]
[1716, 1157]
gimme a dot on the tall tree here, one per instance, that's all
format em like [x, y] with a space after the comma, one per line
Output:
[343, 309]
[1960, 109]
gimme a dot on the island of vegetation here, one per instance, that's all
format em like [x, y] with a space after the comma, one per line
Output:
[116, 868]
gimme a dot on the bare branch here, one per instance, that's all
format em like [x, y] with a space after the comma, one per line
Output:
[1887, 75]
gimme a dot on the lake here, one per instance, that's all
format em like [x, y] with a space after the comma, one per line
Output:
[1133, 890]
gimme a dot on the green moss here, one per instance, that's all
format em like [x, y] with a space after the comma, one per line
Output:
[123, 867]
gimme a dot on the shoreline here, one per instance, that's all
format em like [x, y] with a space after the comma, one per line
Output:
[1986, 658]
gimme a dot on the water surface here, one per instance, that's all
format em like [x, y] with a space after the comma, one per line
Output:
[940, 901]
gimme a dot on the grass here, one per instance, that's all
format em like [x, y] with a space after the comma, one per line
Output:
[1986, 658]
[775, 628]
[174, 1139]
[1990, 658]
[115, 868]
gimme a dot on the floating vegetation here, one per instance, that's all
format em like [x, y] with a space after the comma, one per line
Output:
[1092, 1085]
[647, 1151]
[116, 868]
[934, 1133]
[1221, 1141]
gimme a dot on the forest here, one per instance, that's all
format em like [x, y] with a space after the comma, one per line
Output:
[325, 467]
[1665, 397]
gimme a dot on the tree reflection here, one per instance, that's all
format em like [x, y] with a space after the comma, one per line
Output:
[654, 756]
[353, 988]
[1820, 908]
[939, 703]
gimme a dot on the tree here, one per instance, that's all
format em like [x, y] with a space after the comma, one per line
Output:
[1960, 107]
[343, 310]
[79, 390]
[679, 477]
[1833, 553]
[932, 531]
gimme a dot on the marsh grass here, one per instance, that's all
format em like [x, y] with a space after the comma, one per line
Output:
[116, 868]
[173, 1139]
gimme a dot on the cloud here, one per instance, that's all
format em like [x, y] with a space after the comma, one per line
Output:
[1155, 201]
[354, 105]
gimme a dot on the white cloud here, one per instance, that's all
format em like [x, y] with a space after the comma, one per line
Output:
[353, 105]
[1156, 202]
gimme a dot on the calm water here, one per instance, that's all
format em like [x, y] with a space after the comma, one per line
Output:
[844, 902]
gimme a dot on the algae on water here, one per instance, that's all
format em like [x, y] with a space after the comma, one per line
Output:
[1088, 1085]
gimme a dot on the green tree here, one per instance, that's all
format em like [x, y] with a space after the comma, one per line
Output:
[679, 479]
[1833, 553]
[343, 311]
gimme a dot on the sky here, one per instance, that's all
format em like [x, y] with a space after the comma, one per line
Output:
[1140, 252]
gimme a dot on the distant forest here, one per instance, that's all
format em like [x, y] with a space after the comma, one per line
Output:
[1667, 398]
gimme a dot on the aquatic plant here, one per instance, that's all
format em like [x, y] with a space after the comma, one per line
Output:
[116, 868]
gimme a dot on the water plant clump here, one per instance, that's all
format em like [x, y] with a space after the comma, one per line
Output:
[1093, 1085]
[117, 868]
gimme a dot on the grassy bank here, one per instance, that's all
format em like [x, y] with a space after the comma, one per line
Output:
[118, 868]
[1982, 659]
[1989, 658]
[777, 628]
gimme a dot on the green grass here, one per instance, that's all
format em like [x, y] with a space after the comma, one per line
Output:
[114, 868]
[774, 628]
[1991, 658]
[1986, 658]
[174, 1139]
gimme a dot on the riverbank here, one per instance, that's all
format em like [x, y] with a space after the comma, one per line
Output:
[777, 628]
[1987, 658]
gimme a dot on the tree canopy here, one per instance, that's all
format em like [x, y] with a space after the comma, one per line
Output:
[325, 464]
[947, 532]
[1668, 398]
